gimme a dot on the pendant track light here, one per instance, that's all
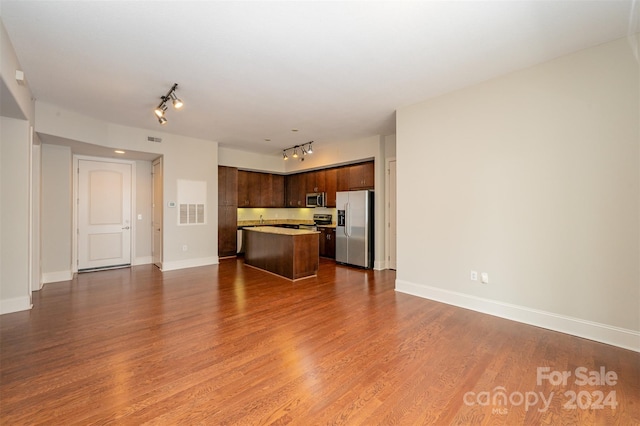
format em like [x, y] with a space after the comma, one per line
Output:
[162, 106]
[159, 111]
[305, 149]
[177, 102]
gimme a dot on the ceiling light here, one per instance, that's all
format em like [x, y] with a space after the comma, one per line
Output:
[305, 150]
[162, 106]
[159, 111]
[119, 151]
[177, 102]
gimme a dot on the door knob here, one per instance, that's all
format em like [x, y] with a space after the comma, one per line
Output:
[126, 227]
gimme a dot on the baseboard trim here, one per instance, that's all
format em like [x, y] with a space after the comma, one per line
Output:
[16, 304]
[189, 263]
[143, 260]
[380, 265]
[603, 333]
[54, 277]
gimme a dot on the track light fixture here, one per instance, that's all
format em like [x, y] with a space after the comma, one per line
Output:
[162, 106]
[177, 102]
[305, 149]
[160, 110]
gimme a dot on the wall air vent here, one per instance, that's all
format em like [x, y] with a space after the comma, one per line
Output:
[152, 139]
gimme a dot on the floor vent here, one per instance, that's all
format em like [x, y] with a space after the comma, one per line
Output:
[152, 139]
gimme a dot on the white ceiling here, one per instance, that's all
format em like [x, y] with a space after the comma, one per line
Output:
[248, 71]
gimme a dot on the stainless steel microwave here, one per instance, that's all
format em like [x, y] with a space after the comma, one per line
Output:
[316, 199]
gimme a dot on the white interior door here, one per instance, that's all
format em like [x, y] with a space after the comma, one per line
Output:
[392, 215]
[156, 207]
[104, 215]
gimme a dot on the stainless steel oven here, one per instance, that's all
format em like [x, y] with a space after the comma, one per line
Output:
[308, 227]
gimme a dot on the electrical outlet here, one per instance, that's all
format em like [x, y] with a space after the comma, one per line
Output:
[484, 277]
[184, 247]
[474, 275]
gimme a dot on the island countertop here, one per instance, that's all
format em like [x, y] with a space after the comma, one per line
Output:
[281, 231]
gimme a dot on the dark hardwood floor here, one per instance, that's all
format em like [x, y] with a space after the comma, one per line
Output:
[231, 345]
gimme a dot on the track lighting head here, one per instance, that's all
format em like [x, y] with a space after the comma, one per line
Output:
[177, 102]
[162, 107]
[304, 150]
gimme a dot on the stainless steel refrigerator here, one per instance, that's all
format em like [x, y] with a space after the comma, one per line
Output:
[354, 229]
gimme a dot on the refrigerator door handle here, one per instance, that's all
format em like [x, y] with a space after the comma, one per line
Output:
[347, 227]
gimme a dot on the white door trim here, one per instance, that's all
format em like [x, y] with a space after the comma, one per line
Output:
[387, 205]
[74, 233]
[157, 206]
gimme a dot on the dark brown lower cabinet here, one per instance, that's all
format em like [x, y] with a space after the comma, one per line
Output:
[227, 230]
[285, 252]
[327, 242]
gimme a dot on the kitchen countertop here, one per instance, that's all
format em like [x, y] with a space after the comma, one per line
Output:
[272, 222]
[280, 231]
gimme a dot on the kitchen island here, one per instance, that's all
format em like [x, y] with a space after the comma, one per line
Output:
[290, 253]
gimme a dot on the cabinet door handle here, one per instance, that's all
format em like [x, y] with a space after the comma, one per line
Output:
[126, 227]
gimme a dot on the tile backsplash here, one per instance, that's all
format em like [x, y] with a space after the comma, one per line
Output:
[271, 214]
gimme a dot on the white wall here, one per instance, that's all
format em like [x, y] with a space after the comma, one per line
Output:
[183, 158]
[250, 161]
[56, 219]
[8, 66]
[390, 146]
[15, 177]
[533, 178]
[15, 154]
[143, 207]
